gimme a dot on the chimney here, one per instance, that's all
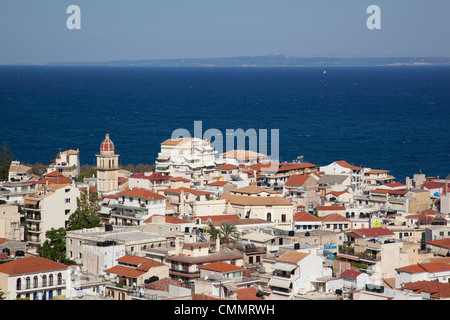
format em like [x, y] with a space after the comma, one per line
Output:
[217, 243]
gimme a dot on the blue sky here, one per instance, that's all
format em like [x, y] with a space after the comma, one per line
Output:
[35, 31]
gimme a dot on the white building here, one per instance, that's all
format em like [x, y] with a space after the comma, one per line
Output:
[344, 168]
[35, 278]
[48, 207]
[191, 158]
[294, 272]
[136, 205]
[67, 163]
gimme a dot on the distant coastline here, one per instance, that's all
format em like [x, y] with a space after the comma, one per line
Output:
[276, 60]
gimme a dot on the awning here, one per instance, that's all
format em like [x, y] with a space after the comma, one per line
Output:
[284, 266]
[442, 252]
[279, 283]
[230, 286]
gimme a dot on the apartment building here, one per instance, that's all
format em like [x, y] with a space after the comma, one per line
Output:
[48, 207]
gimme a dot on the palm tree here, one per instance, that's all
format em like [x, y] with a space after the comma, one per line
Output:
[228, 232]
[214, 232]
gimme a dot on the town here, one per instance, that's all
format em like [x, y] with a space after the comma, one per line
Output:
[198, 225]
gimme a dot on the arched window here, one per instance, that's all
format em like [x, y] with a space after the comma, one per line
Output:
[59, 278]
[269, 217]
[50, 280]
[28, 283]
[19, 284]
[35, 282]
[44, 280]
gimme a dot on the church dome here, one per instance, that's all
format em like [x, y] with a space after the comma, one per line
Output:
[107, 145]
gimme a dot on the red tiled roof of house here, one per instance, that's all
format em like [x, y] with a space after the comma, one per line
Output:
[248, 293]
[141, 193]
[168, 219]
[353, 274]
[30, 265]
[429, 267]
[372, 232]
[347, 165]
[227, 167]
[180, 179]
[398, 192]
[292, 256]
[435, 288]
[153, 176]
[334, 217]
[395, 185]
[444, 243]
[338, 193]
[304, 216]
[125, 271]
[197, 296]
[218, 183]
[221, 267]
[55, 179]
[331, 207]
[163, 284]
[186, 190]
[297, 180]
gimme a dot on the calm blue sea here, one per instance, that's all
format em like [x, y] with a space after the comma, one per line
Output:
[393, 118]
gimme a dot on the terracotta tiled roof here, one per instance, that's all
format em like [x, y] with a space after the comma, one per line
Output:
[196, 296]
[30, 265]
[322, 208]
[163, 284]
[297, 180]
[305, 216]
[335, 217]
[125, 271]
[429, 267]
[218, 183]
[444, 243]
[292, 256]
[347, 165]
[256, 201]
[248, 293]
[435, 288]
[168, 219]
[153, 176]
[252, 190]
[141, 193]
[186, 190]
[351, 274]
[221, 267]
[372, 232]
[227, 167]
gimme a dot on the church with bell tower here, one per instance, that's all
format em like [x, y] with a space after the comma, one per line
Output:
[107, 167]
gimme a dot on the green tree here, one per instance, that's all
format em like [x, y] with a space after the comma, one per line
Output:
[87, 171]
[228, 232]
[54, 247]
[214, 232]
[5, 161]
[87, 214]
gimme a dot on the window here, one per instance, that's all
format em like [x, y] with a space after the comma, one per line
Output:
[67, 212]
[19, 284]
[59, 278]
[44, 280]
[28, 283]
[67, 200]
[67, 190]
[35, 282]
[50, 280]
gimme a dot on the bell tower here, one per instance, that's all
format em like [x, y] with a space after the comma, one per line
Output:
[107, 167]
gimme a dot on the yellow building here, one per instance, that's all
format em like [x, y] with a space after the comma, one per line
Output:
[107, 167]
